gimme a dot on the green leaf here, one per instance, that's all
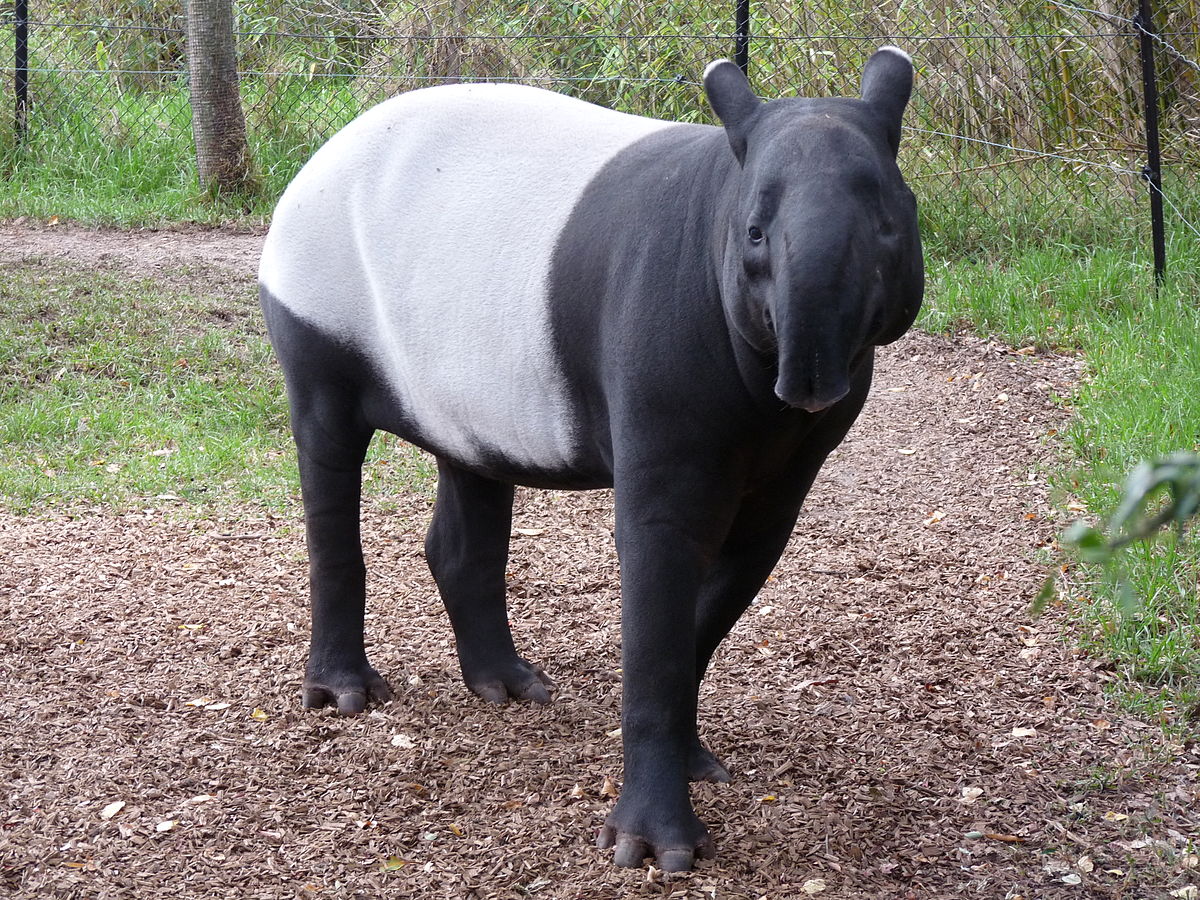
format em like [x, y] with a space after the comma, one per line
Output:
[1088, 541]
[1048, 592]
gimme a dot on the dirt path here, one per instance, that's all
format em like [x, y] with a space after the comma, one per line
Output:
[897, 725]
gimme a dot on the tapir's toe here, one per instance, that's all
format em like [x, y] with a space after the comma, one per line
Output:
[632, 851]
[349, 692]
[669, 853]
[516, 680]
[703, 765]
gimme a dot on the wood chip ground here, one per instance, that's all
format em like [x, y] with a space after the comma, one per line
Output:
[896, 723]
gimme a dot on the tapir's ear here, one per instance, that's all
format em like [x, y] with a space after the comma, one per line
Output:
[733, 101]
[887, 82]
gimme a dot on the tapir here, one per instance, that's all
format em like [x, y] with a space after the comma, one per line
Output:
[543, 292]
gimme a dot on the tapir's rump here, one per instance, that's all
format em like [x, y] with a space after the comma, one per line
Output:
[422, 234]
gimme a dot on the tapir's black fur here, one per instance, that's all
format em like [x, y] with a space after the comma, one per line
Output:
[715, 297]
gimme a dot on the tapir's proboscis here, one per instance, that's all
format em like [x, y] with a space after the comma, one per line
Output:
[542, 292]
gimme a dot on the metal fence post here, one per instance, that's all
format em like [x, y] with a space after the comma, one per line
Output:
[21, 65]
[741, 38]
[1144, 22]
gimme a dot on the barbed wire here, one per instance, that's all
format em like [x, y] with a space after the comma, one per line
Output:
[1112, 167]
[1077, 8]
[1166, 198]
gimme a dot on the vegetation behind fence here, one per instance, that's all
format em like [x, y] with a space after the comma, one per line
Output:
[1031, 111]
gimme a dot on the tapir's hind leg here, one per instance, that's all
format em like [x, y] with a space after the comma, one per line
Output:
[338, 673]
[467, 550]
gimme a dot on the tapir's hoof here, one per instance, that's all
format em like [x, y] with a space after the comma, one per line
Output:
[517, 680]
[703, 765]
[349, 692]
[632, 851]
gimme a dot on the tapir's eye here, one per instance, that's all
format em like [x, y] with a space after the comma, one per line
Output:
[755, 234]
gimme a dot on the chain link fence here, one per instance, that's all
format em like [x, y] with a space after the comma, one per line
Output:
[1029, 112]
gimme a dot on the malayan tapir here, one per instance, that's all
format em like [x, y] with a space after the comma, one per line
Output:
[543, 292]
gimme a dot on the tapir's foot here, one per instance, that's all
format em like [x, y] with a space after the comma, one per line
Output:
[703, 765]
[514, 679]
[674, 842]
[348, 689]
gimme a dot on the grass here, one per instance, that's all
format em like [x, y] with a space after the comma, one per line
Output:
[1137, 401]
[114, 391]
[126, 393]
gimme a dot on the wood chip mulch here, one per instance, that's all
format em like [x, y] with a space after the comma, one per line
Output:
[896, 723]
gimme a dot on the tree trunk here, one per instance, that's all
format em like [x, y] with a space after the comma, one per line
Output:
[219, 127]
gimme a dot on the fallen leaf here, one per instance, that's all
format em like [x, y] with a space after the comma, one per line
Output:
[1004, 838]
[1101, 724]
[814, 886]
[971, 794]
[217, 707]
[112, 809]
[1084, 864]
[1111, 816]
[199, 701]
[769, 798]
[1019, 732]
[403, 741]
[456, 829]
[905, 451]
[1072, 878]
[394, 864]
[609, 788]
[1187, 892]
[259, 715]
[578, 793]
[529, 532]
[934, 517]
[166, 826]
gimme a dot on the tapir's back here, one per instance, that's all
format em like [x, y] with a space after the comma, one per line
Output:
[422, 235]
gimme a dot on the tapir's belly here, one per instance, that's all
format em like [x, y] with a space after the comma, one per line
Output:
[422, 235]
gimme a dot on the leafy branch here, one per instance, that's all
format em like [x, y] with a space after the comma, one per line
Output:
[1158, 494]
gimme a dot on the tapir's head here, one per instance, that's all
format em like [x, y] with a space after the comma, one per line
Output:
[821, 255]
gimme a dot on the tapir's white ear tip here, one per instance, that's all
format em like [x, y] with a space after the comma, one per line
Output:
[891, 48]
[715, 64]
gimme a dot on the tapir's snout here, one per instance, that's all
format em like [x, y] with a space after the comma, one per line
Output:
[809, 395]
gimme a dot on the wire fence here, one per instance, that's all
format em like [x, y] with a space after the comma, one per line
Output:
[1028, 110]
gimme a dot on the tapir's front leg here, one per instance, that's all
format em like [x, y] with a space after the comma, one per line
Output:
[755, 542]
[668, 529]
[753, 547]
[467, 550]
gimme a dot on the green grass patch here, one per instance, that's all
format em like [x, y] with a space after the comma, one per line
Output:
[1137, 401]
[127, 392]
[116, 391]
